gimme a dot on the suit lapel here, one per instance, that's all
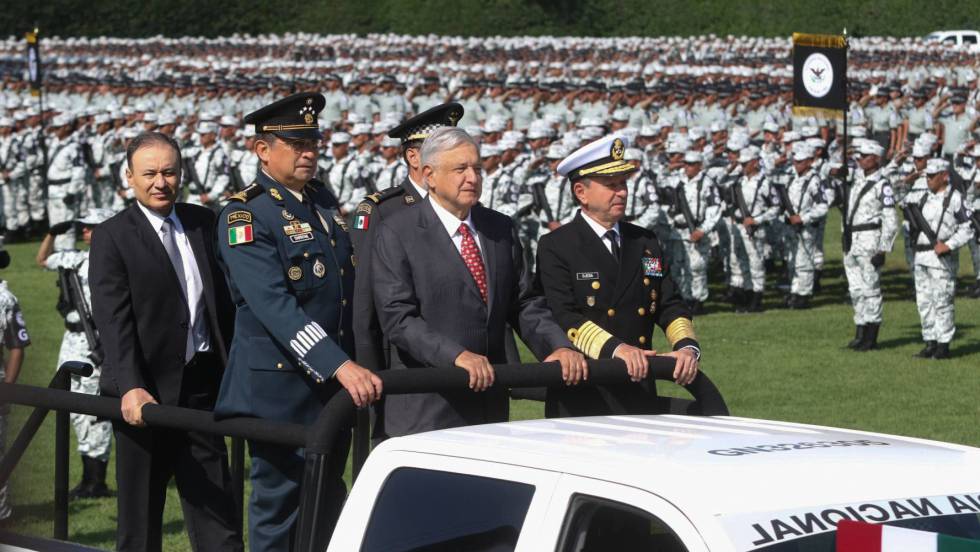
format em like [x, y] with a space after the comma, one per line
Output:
[443, 246]
[149, 236]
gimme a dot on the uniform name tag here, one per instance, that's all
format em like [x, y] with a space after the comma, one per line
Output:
[586, 275]
[297, 238]
[652, 267]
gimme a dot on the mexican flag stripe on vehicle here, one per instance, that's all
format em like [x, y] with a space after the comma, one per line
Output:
[855, 536]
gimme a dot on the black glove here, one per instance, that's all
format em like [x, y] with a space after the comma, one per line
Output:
[878, 259]
[61, 228]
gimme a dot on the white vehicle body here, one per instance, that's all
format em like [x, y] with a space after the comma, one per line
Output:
[713, 483]
[955, 38]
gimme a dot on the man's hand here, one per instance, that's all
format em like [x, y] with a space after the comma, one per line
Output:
[696, 235]
[635, 359]
[132, 405]
[363, 385]
[479, 369]
[61, 227]
[685, 367]
[796, 220]
[941, 248]
[748, 222]
[574, 369]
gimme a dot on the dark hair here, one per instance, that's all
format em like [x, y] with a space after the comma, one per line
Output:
[267, 137]
[147, 139]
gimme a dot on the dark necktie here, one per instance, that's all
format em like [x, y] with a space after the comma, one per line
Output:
[473, 260]
[611, 236]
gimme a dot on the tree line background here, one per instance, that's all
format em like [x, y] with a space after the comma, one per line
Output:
[140, 18]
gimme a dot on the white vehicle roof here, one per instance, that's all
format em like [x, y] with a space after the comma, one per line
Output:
[713, 467]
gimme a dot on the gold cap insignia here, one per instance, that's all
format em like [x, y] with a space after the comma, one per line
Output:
[309, 101]
[294, 273]
[308, 118]
[618, 150]
[454, 117]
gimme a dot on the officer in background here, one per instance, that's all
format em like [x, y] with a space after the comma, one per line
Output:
[66, 179]
[287, 255]
[14, 334]
[368, 341]
[606, 280]
[94, 437]
[870, 227]
[943, 228]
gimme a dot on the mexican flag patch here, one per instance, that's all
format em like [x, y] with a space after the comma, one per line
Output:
[361, 222]
[240, 234]
[854, 536]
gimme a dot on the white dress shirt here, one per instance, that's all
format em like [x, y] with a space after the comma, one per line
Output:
[423, 192]
[600, 231]
[452, 223]
[192, 285]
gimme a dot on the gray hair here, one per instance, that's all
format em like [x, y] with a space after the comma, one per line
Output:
[444, 139]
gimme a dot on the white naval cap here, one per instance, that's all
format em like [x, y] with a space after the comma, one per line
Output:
[61, 120]
[166, 118]
[390, 142]
[360, 128]
[556, 151]
[230, 121]
[6, 122]
[936, 166]
[340, 138]
[602, 157]
[693, 156]
[920, 150]
[489, 150]
[790, 136]
[633, 154]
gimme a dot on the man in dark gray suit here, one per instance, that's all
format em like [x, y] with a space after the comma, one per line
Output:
[447, 278]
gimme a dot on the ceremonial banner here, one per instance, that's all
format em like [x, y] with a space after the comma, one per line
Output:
[819, 75]
[34, 61]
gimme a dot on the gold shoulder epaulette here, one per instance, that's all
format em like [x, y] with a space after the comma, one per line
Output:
[248, 194]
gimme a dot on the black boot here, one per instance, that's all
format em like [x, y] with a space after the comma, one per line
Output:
[858, 336]
[942, 351]
[870, 341]
[84, 486]
[801, 302]
[98, 489]
[756, 304]
[928, 350]
[740, 298]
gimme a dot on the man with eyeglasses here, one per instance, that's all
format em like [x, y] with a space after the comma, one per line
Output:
[286, 253]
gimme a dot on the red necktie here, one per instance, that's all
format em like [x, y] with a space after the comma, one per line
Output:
[473, 260]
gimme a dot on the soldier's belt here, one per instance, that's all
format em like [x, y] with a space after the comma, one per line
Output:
[923, 248]
[866, 227]
[77, 327]
[59, 181]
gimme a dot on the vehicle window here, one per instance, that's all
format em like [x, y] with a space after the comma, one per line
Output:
[969, 39]
[950, 39]
[597, 525]
[432, 511]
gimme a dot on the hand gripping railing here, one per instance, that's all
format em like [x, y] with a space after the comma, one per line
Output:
[315, 524]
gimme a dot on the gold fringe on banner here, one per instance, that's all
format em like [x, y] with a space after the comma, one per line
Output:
[804, 111]
[819, 41]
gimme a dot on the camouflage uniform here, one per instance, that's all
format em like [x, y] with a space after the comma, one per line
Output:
[810, 202]
[15, 336]
[873, 222]
[691, 258]
[94, 437]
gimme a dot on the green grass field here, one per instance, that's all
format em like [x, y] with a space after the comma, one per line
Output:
[784, 365]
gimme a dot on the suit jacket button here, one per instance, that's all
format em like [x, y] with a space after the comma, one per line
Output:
[306, 254]
[333, 243]
[343, 302]
[341, 272]
[642, 340]
[279, 365]
[611, 313]
[641, 311]
[646, 281]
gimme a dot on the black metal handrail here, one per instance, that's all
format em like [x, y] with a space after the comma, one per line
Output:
[338, 414]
